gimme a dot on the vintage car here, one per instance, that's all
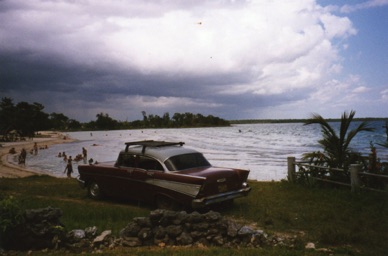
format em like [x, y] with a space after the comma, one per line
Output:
[164, 173]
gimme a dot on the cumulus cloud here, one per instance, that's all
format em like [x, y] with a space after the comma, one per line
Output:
[213, 56]
[384, 95]
[365, 5]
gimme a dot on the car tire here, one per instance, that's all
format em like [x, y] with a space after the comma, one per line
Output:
[94, 191]
[166, 203]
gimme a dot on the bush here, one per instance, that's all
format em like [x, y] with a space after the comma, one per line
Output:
[11, 215]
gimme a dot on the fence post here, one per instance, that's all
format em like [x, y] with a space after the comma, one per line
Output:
[291, 169]
[355, 177]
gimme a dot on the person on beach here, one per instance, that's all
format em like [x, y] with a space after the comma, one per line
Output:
[69, 168]
[84, 154]
[22, 157]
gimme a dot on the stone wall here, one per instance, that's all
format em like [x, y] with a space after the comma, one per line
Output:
[165, 228]
[40, 229]
[43, 229]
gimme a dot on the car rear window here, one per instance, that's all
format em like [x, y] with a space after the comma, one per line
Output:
[139, 161]
[186, 161]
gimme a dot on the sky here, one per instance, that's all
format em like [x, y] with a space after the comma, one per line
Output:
[235, 59]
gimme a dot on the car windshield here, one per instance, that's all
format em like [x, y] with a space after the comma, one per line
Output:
[186, 161]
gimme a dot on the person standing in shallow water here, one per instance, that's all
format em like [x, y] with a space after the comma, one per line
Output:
[22, 157]
[69, 168]
[84, 154]
[35, 149]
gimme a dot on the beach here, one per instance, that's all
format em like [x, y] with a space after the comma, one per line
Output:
[11, 170]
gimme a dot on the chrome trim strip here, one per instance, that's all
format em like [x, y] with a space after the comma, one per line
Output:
[187, 175]
[184, 188]
[201, 202]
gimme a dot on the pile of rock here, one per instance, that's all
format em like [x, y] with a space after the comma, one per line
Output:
[165, 228]
[43, 229]
[40, 228]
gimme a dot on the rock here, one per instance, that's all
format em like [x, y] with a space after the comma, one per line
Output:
[212, 216]
[102, 237]
[40, 229]
[75, 235]
[131, 230]
[310, 246]
[159, 232]
[155, 216]
[143, 221]
[201, 226]
[259, 238]
[169, 218]
[181, 218]
[195, 217]
[131, 242]
[161, 228]
[174, 230]
[48, 214]
[184, 239]
[197, 234]
[245, 231]
[218, 240]
[233, 228]
[91, 231]
[145, 234]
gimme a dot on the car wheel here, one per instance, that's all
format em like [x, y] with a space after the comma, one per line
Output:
[166, 203]
[94, 191]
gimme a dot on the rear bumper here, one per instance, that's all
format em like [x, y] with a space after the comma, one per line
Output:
[206, 201]
[81, 183]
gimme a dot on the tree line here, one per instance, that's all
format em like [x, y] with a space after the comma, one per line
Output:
[24, 119]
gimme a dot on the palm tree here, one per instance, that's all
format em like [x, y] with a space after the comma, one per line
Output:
[386, 131]
[336, 152]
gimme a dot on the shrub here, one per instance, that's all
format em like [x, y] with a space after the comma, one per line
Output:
[11, 215]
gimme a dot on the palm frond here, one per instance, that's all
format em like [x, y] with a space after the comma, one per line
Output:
[336, 146]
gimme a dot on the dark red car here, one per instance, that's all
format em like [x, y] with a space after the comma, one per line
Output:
[164, 173]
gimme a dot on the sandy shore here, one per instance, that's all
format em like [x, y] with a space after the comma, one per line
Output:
[10, 170]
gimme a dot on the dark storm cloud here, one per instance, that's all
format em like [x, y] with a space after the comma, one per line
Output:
[234, 59]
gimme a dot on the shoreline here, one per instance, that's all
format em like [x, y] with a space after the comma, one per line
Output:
[10, 170]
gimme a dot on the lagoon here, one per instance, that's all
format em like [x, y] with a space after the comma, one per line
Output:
[262, 148]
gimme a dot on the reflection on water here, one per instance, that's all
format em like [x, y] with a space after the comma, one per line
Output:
[262, 148]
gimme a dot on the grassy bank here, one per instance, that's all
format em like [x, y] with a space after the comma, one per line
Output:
[332, 218]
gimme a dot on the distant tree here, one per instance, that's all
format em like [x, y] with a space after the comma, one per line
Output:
[30, 118]
[7, 115]
[73, 124]
[188, 119]
[177, 120]
[166, 120]
[105, 122]
[144, 116]
[90, 125]
[58, 121]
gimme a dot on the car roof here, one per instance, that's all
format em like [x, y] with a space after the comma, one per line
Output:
[161, 150]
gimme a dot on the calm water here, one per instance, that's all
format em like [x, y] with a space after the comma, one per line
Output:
[262, 148]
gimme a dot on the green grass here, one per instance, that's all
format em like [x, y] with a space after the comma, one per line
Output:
[334, 218]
